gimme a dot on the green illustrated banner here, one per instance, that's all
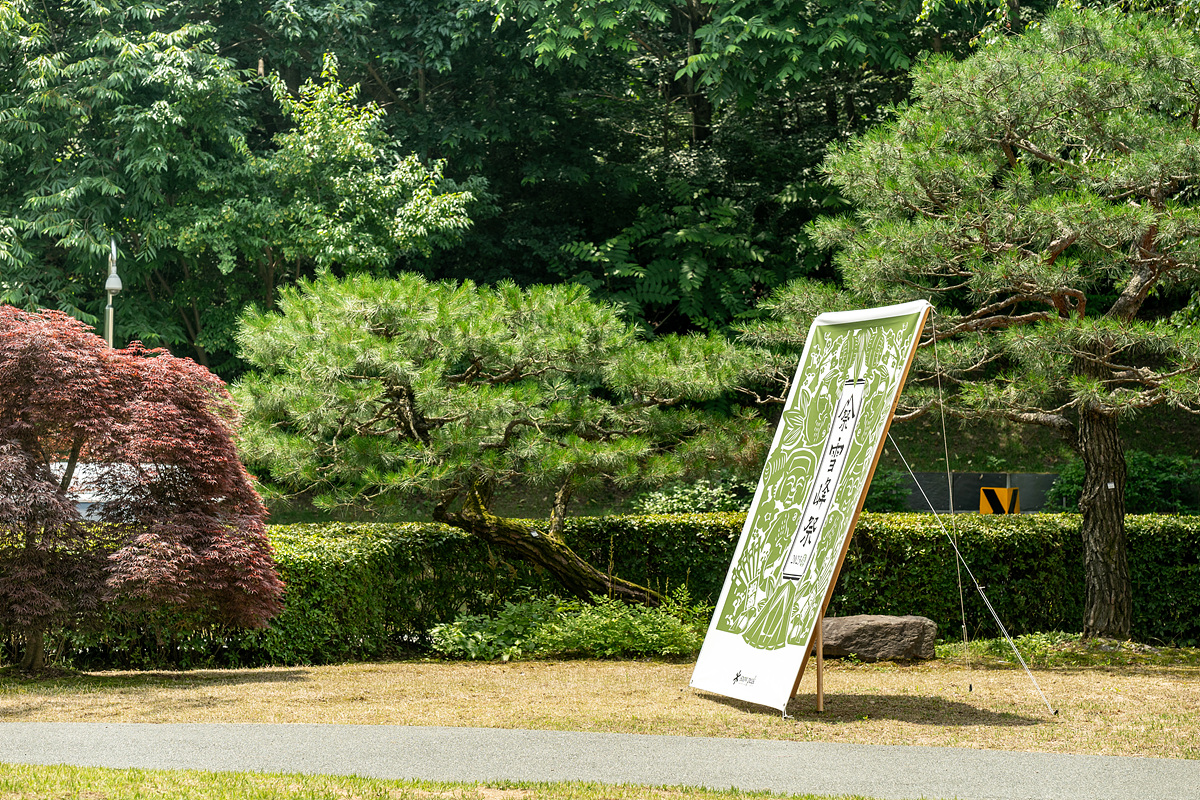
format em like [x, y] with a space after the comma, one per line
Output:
[811, 492]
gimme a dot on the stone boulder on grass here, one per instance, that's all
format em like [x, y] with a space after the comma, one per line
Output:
[877, 637]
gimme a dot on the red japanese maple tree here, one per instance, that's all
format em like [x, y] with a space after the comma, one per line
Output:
[182, 524]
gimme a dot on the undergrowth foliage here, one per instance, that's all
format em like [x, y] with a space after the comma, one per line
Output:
[604, 628]
[700, 496]
[609, 628]
[888, 492]
[1154, 484]
[508, 633]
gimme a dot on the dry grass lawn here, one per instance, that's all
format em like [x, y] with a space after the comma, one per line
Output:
[1125, 710]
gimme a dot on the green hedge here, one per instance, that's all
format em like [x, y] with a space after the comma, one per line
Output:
[1030, 567]
[1164, 567]
[355, 592]
[661, 551]
[358, 591]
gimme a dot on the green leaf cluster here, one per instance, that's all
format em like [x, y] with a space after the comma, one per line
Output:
[697, 257]
[109, 111]
[604, 628]
[661, 551]
[888, 492]
[608, 628]
[507, 634]
[701, 496]
[332, 192]
[1164, 566]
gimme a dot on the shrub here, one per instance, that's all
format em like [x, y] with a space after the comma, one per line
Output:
[365, 591]
[607, 628]
[604, 628]
[1164, 568]
[1031, 567]
[662, 551]
[889, 492]
[508, 634]
[355, 591]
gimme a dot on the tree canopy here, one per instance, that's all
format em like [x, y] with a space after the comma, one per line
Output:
[1042, 194]
[121, 120]
[369, 389]
[106, 113]
[180, 524]
[664, 155]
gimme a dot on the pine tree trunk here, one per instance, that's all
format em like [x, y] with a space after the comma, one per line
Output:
[543, 549]
[1109, 605]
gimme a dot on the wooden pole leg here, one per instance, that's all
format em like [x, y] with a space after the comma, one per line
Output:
[820, 666]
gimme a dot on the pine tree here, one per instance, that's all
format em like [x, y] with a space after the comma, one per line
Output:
[1042, 194]
[368, 389]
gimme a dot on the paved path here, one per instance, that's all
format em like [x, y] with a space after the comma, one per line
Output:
[479, 754]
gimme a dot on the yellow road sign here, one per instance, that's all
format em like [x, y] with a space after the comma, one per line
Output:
[999, 501]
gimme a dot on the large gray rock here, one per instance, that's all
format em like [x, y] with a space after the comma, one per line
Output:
[876, 637]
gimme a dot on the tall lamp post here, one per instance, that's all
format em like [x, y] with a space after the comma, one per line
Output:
[112, 286]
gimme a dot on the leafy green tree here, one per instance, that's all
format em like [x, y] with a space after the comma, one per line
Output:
[331, 194]
[661, 153]
[735, 104]
[369, 390]
[740, 51]
[106, 114]
[1041, 194]
[659, 35]
[119, 119]
[696, 259]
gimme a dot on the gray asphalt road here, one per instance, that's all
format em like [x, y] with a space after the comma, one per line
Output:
[479, 754]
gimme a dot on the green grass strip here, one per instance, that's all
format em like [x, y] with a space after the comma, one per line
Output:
[29, 782]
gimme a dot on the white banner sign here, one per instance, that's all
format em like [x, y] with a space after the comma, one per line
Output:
[811, 493]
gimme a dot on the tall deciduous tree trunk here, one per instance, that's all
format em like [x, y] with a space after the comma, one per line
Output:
[694, 15]
[1109, 606]
[547, 550]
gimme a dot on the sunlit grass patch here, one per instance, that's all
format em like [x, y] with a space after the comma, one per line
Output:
[1058, 649]
[25, 782]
